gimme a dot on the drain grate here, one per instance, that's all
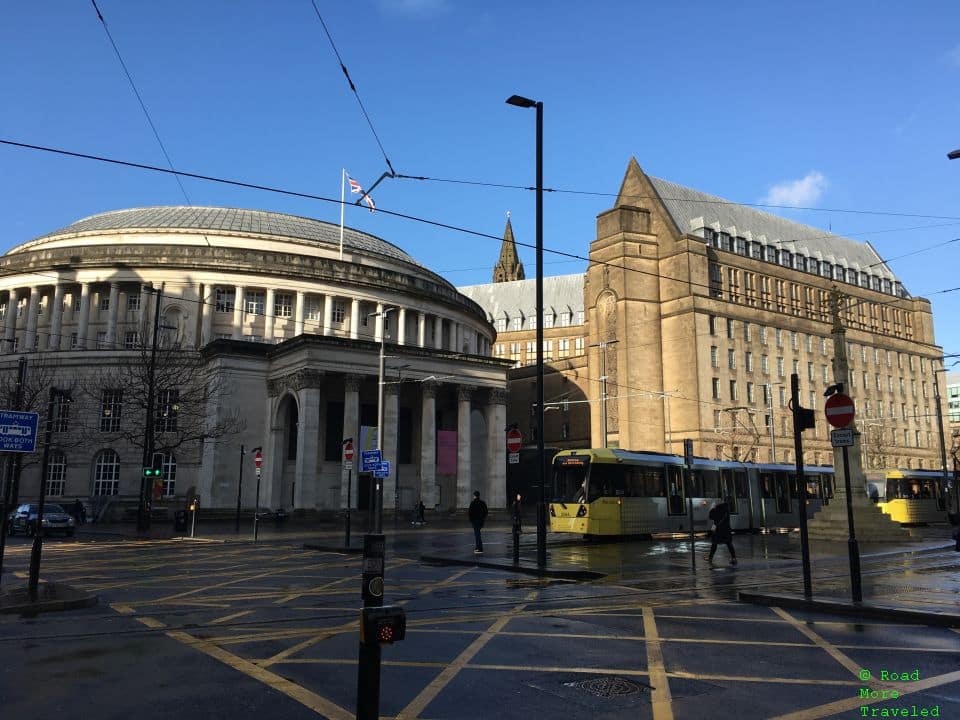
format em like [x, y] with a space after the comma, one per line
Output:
[608, 687]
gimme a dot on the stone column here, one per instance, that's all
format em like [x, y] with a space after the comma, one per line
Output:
[299, 313]
[378, 328]
[309, 386]
[351, 428]
[112, 315]
[465, 482]
[207, 311]
[421, 329]
[428, 445]
[30, 336]
[83, 322]
[328, 316]
[496, 416]
[402, 326]
[268, 317]
[354, 319]
[10, 331]
[438, 332]
[56, 318]
[238, 313]
[455, 336]
[389, 445]
[143, 314]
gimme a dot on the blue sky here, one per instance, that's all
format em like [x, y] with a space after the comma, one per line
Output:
[844, 106]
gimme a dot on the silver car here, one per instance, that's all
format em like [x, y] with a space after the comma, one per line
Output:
[55, 519]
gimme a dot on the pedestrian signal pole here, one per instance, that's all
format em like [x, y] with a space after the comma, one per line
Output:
[802, 420]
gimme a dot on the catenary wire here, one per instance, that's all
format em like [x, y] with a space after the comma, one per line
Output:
[433, 223]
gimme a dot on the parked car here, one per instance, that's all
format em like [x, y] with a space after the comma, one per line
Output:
[55, 519]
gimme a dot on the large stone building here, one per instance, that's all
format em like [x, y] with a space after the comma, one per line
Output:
[695, 311]
[288, 325]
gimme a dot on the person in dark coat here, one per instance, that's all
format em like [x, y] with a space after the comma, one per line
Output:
[77, 511]
[517, 514]
[722, 533]
[478, 514]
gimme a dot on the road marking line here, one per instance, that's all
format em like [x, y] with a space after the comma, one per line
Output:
[847, 662]
[429, 693]
[123, 609]
[294, 649]
[312, 591]
[303, 696]
[822, 711]
[660, 698]
[443, 583]
[228, 618]
[151, 622]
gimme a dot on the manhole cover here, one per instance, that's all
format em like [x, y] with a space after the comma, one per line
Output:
[607, 687]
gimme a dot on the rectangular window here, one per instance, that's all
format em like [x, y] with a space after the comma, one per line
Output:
[747, 332]
[517, 322]
[563, 348]
[712, 320]
[74, 342]
[579, 317]
[102, 340]
[130, 340]
[749, 361]
[783, 397]
[779, 367]
[826, 377]
[578, 346]
[104, 303]
[548, 349]
[809, 343]
[133, 301]
[733, 390]
[730, 328]
[565, 318]
[61, 412]
[254, 301]
[795, 367]
[750, 393]
[716, 388]
[283, 305]
[340, 312]
[794, 340]
[714, 357]
[547, 320]
[168, 408]
[810, 371]
[731, 359]
[532, 322]
[56, 470]
[823, 346]
[764, 366]
[763, 334]
[111, 404]
[531, 353]
[779, 337]
[224, 300]
[311, 308]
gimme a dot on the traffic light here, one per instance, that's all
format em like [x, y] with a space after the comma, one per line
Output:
[156, 467]
[381, 625]
[371, 589]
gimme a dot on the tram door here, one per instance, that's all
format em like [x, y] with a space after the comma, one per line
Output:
[727, 492]
[675, 494]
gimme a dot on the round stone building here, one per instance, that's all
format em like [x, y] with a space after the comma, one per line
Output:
[286, 320]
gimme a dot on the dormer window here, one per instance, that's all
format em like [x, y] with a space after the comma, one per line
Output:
[741, 246]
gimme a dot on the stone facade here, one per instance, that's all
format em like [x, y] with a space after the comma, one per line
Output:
[290, 330]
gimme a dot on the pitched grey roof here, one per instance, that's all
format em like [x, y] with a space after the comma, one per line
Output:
[244, 222]
[692, 210]
[561, 293]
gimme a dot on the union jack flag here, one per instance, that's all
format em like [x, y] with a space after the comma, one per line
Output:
[355, 188]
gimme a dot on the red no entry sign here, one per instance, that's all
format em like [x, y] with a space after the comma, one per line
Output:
[348, 451]
[514, 440]
[258, 459]
[839, 410]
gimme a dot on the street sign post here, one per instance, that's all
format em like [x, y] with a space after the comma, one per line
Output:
[839, 410]
[514, 443]
[842, 437]
[382, 469]
[348, 454]
[348, 464]
[18, 431]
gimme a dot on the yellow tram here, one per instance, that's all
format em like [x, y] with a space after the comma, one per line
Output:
[910, 497]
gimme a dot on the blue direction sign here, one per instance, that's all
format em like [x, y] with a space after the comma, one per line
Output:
[369, 459]
[382, 469]
[18, 431]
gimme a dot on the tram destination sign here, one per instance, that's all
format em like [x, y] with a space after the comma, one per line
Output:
[18, 431]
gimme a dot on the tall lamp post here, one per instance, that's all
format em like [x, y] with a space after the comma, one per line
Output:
[381, 316]
[603, 387]
[519, 101]
[943, 446]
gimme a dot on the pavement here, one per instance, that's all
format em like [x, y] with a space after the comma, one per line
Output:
[924, 587]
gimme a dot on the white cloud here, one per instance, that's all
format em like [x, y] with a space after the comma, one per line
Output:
[797, 193]
[953, 56]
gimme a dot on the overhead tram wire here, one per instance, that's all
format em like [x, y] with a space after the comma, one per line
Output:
[356, 94]
[392, 213]
[143, 105]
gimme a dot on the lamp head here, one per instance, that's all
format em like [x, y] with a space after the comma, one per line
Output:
[953, 154]
[521, 101]
[833, 389]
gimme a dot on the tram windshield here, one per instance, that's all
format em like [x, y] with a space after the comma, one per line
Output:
[912, 489]
[570, 478]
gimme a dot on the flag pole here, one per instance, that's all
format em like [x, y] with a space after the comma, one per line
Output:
[343, 180]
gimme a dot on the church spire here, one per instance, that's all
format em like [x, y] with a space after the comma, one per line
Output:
[508, 267]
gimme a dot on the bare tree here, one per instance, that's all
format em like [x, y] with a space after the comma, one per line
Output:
[872, 445]
[741, 436]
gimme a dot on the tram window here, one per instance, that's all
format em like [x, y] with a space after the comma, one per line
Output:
[569, 481]
[743, 488]
[783, 492]
[645, 482]
[606, 481]
[711, 484]
[766, 486]
[728, 490]
[675, 488]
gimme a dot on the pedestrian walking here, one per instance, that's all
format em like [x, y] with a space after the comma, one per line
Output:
[722, 533]
[421, 512]
[478, 514]
[77, 511]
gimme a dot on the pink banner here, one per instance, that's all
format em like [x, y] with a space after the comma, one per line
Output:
[446, 452]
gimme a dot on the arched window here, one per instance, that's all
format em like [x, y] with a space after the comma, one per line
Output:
[168, 475]
[106, 473]
[56, 470]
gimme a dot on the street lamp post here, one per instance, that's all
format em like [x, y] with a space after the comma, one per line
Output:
[143, 514]
[519, 101]
[239, 489]
[603, 388]
[378, 494]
